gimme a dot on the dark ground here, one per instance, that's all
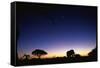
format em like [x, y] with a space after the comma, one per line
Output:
[56, 60]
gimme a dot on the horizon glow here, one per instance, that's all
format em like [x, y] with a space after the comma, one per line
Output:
[56, 30]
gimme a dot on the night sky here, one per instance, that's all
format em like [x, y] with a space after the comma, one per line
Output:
[56, 29]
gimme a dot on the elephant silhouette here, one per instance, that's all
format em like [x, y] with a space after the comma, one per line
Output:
[70, 53]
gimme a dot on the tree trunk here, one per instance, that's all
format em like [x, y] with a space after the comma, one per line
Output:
[39, 56]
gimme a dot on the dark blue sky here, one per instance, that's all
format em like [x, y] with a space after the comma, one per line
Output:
[56, 29]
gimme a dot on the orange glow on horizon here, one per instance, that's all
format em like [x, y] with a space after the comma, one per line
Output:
[61, 53]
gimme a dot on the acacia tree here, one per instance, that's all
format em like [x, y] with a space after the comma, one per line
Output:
[39, 53]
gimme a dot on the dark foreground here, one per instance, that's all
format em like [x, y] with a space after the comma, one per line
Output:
[56, 60]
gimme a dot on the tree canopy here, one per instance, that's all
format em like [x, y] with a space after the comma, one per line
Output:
[39, 52]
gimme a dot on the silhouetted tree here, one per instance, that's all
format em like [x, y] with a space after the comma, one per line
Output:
[26, 56]
[93, 53]
[39, 53]
[70, 53]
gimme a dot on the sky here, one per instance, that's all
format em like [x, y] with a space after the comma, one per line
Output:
[55, 29]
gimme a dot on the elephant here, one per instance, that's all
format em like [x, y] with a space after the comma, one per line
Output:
[70, 53]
